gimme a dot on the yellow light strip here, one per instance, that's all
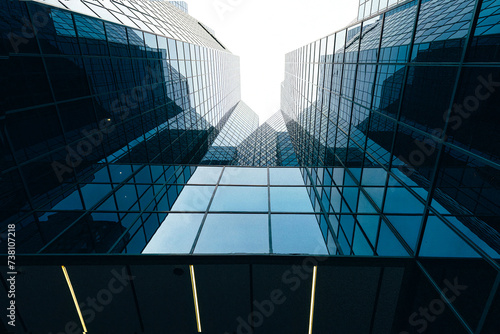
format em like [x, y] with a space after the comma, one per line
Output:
[313, 293]
[74, 298]
[195, 297]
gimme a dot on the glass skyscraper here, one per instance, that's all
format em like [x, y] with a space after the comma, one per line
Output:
[146, 198]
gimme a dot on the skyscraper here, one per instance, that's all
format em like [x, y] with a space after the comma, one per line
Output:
[146, 198]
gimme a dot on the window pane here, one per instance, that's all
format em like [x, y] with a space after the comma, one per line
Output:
[234, 234]
[397, 34]
[244, 176]
[440, 241]
[193, 198]
[176, 235]
[205, 175]
[297, 234]
[290, 199]
[442, 28]
[240, 199]
[286, 176]
[486, 41]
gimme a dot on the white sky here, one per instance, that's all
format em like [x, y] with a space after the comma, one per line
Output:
[261, 32]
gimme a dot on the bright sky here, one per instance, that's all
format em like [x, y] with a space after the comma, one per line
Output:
[261, 32]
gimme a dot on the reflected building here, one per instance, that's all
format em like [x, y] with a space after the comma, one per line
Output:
[369, 199]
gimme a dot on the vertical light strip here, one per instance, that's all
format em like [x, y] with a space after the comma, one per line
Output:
[195, 297]
[74, 298]
[313, 293]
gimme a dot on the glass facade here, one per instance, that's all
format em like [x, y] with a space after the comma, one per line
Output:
[182, 5]
[125, 144]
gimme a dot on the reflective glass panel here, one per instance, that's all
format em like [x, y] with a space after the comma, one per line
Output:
[240, 199]
[229, 234]
[244, 176]
[205, 175]
[290, 199]
[286, 176]
[176, 235]
[193, 198]
[297, 234]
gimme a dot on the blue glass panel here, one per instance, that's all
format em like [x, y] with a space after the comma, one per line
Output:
[440, 241]
[388, 244]
[91, 35]
[175, 235]
[240, 199]
[297, 234]
[397, 33]
[244, 176]
[331, 245]
[374, 177]
[230, 234]
[72, 201]
[442, 28]
[136, 42]
[193, 198]
[286, 176]
[408, 227]
[120, 172]
[370, 39]
[347, 223]
[206, 175]
[486, 41]
[137, 243]
[360, 246]
[351, 197]
[117, 39]
[92, 193]
[364, 205]
[290, 199]
[400, 200]
[126, 196]
[370, 225]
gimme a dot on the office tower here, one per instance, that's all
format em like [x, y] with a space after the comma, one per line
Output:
[147, 199]
[182, 5]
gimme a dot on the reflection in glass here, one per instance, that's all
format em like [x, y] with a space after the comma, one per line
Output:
[249, 199]
[297, 234]
[176, 235]
[205, 175]
[244, 176]
[286, 176]
[230, 234]
[290, 199]
[193, 198]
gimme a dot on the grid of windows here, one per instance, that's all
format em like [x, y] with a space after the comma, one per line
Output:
[407, 102]
[390, 126]
[85, 92]
[182, 5]
[165, 18]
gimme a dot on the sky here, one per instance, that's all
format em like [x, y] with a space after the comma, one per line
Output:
[261, 32]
